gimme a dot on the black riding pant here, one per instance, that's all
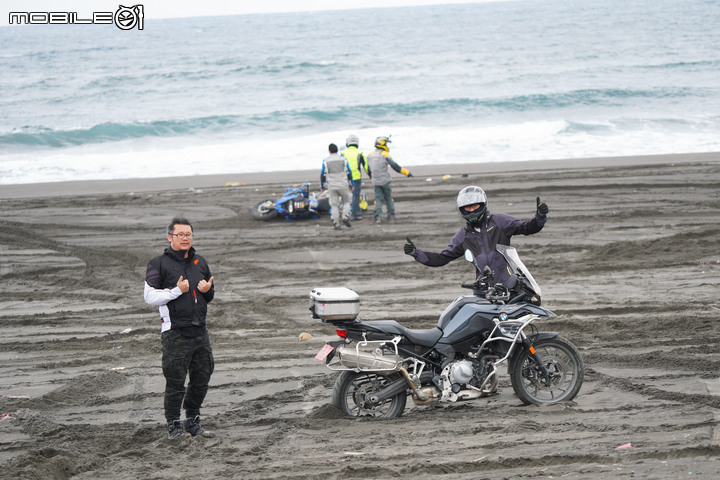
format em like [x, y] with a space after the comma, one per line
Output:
[183, 357]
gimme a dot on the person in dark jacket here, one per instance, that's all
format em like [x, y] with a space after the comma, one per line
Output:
[179, 282]
[483, 232]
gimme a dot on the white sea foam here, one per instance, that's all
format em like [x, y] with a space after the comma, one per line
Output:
[410, 146]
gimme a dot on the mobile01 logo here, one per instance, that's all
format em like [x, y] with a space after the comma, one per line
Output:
[125, 18]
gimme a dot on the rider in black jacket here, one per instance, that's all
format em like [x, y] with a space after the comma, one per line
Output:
[483, 232]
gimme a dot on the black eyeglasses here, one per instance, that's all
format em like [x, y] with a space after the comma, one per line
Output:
[182, 235]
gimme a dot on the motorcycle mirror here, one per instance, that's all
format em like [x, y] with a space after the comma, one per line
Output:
[469, 256]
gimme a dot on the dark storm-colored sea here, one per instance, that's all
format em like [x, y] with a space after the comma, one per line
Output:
[472, 83]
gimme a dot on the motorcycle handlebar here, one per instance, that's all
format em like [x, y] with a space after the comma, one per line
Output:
[498, 293]
[467, 285]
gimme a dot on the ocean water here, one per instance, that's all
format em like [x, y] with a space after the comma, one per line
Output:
[472, 83]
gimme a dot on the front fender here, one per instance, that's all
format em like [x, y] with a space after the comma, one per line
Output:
[512, 361]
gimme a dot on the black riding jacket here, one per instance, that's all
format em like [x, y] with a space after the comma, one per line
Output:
[189, 309]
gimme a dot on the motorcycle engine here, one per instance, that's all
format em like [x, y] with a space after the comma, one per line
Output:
[461, 372]
[459, 380]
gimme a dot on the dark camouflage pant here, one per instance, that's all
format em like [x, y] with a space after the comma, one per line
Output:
[183, 357]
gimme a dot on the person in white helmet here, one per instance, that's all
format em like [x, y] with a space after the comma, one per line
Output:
[356, 161]
[481, 234]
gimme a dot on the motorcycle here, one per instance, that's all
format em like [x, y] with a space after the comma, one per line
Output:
[382, 363]
[295, 204]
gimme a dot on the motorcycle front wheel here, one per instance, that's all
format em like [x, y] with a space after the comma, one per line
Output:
[562, 360]
[353, 391]
[264, 210]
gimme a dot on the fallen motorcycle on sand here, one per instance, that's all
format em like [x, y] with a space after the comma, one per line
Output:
[296, 204]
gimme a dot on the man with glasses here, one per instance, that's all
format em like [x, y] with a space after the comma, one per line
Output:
[180, 284]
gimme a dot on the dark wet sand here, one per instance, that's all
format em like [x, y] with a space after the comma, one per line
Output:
[629, 260]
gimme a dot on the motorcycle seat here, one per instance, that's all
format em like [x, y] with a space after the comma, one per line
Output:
[426, 337]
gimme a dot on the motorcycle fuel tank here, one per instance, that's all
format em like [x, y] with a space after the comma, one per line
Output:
[465, 317]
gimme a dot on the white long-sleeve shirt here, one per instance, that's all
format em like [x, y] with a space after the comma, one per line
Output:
[160, 298]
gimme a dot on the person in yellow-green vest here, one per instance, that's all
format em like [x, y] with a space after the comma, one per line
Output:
[356, 160]
[376, 165]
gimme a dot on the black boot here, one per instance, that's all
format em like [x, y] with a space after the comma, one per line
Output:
[175, 430]
[193, 427]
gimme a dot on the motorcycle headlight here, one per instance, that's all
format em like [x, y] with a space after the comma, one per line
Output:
[509, 329]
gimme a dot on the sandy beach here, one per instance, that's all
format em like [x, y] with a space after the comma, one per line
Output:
[629, 260]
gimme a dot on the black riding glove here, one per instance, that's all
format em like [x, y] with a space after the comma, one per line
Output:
[542, 208]
[409, 247]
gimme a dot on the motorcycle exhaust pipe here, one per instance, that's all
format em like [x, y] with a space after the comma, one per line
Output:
[399, 386]
[421, 396]
[417, 393]
[367, 361]
[432, 394]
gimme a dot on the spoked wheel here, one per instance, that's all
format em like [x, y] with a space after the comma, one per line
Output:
[353, 393]
[564, 364]
[264, 210]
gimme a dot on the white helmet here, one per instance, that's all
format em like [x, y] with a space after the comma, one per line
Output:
[472, 195]
[352, 140]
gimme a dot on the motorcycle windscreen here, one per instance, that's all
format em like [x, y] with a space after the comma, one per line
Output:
[517, 266]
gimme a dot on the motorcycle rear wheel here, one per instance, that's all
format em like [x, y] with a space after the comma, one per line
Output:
[352, 390]
[264, 210]
[562, 359]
